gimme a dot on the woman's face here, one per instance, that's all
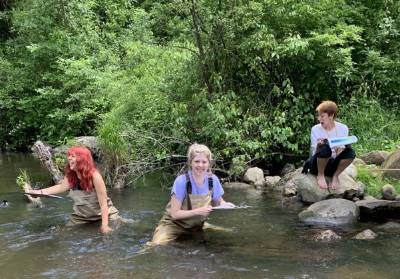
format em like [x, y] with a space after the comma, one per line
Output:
[200, 164]
[325, 119]
[72, 162]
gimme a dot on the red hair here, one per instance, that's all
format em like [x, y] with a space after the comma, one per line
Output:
[84, 166]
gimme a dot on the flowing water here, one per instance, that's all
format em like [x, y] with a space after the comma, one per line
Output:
[263, 241]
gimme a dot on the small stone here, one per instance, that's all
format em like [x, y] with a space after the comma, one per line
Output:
[287, 168]
[271, 181]
[366, 235]
[388, 192]
[358, 162]
[289, 191]
[327, 236]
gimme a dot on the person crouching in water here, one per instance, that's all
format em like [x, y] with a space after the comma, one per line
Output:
[326, 161]
[86, 189]
[192, 197]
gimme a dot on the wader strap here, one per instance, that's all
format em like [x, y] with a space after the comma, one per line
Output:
[210, 184]
[188, 190]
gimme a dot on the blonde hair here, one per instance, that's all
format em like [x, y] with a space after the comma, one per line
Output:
[196, 149]
[328, 107]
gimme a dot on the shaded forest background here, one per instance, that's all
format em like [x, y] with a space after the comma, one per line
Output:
[244, 77]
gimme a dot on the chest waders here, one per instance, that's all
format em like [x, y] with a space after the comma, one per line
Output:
[87, 208]
[169, 230]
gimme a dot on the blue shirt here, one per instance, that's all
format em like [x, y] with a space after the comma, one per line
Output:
[179, 187]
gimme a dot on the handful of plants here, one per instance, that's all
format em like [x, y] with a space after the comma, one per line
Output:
[22, 179]
[24, 183]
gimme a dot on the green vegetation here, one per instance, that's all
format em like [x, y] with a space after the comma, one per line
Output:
[374, 181]
[376, 126]
[150, 77]
[23, 178]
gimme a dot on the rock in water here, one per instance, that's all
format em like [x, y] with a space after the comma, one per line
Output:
[333, 212]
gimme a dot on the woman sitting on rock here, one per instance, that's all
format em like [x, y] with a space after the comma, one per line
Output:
[192, 197]
[327, 161]
[86, 189]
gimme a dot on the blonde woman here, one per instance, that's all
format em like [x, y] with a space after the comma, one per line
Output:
[192, 197]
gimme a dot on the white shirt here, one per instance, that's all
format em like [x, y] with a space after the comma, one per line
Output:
[318, 132]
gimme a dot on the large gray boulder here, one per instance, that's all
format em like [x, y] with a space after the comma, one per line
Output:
[88, 141]
[378, 209]
[309, 191]
[392, 163]
[390, 227]
[333, 212]
[375, 157]
[351, 171]
[254, 176]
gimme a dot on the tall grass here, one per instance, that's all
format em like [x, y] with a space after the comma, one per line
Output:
[377, 127]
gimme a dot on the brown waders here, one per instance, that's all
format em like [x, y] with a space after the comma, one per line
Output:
[169, 230]
[87, 208]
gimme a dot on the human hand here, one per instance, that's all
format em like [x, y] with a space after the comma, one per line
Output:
[338, 150]
[204, 210]
[105, 229]
[33, 192]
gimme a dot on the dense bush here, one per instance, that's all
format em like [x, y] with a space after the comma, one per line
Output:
[243, 77]
[56, 60]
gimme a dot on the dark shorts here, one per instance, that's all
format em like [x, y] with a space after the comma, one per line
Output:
[326, 152]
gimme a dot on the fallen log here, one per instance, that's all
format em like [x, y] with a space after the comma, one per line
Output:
[43, 153]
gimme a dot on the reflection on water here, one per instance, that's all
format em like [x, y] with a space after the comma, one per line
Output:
[264, 241]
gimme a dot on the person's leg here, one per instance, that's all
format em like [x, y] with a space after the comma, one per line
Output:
[321, 163]
[341, 162]
[208, 226]
[165, 233]
[76, 220]
[318, 164]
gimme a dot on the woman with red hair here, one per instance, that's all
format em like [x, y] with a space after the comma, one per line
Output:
[86, 188]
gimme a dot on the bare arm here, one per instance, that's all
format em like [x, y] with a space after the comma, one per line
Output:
[101, 192]
[177, 213]
[56, 189]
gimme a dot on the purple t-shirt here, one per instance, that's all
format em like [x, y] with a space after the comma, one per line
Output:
[179, 187]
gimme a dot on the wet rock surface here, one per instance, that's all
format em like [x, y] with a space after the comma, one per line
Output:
[333, 212]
